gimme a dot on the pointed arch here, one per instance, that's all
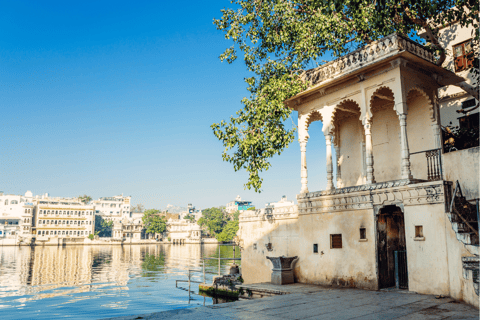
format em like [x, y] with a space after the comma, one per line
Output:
[382, 97]
[313, 116]
[349, 143]
[428, 98]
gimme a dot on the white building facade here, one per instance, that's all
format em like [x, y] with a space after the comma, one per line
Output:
[57, 218]
[16, 215]
[113, 208]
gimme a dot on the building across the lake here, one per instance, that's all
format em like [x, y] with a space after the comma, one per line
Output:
[60, 218]
[392, 213]
[129, 229]
[238, 205]
[16, 215]
[113, 208]
[183, 231]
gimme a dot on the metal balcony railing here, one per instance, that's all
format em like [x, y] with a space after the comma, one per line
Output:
[434, 163]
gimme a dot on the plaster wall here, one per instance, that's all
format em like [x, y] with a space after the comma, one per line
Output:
[463, 166]
[427, 257]
[297, 237]
[386, 145]
[351, 150]
[420, 133]
[461, 288]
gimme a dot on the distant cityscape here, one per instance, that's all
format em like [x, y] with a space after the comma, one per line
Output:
[46, 220]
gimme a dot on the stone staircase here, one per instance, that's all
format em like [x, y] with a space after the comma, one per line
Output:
[463, 216]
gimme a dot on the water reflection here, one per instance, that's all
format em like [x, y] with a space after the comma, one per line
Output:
[100, 281]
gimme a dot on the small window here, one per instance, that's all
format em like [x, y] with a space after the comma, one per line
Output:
[254, 246]
[418, 231]
[363, 233]
[315, 248]
[336, 241]
[463, 56]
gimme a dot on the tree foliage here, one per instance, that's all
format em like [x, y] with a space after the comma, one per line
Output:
[281, 38]
[103, 228]
[219, 224]
[153, 222]
[213, 220]
[190, 217]
[85, 199]
[228, 232]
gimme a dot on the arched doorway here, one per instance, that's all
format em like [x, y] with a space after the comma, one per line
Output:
[391, 248]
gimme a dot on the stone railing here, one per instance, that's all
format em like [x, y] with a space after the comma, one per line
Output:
[401, 192]
[371, 53]
[290, 212]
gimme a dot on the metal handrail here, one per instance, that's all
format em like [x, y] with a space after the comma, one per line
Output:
[425, 151]
[454, 210]
[434, 163]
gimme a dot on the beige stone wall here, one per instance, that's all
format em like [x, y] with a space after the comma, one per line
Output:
[427, 258]
[420, 132]
[386, 145]
[351, 137]
[455, 168]
[460, 288]
[434, 260]
[291, 237]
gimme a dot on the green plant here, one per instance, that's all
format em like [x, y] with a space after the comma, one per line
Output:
[169, 239]
[91, 236]
[456, 138]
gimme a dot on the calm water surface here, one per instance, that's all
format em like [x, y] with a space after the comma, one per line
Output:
[91, 282]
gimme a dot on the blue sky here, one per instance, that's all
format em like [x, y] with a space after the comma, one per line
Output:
[111, 97]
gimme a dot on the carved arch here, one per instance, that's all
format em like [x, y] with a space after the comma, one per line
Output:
[380, 93]
[431, 109]
[340, 107]
[313, 116]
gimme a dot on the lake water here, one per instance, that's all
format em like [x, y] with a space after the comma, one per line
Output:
[92, 282]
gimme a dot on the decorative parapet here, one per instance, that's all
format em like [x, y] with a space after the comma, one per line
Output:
[402, 192]
[360, 188]
[369, 54]
[290, 212]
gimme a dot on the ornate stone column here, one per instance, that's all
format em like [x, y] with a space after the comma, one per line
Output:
[405, 164]
[438, 135]
[338, 166]
[369, 150]
[328, 140]
[303, 172]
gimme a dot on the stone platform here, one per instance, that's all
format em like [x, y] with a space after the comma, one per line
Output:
[301, 301]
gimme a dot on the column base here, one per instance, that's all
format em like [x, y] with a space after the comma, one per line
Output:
[282, 277]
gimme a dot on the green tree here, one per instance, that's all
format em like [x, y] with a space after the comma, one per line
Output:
[213, 220]
[103, 227]
[228, 232]
[190, 217]
[281, 38]
[153, 222]
[85, 199]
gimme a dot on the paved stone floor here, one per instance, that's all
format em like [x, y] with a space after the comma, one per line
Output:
[314, 302]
